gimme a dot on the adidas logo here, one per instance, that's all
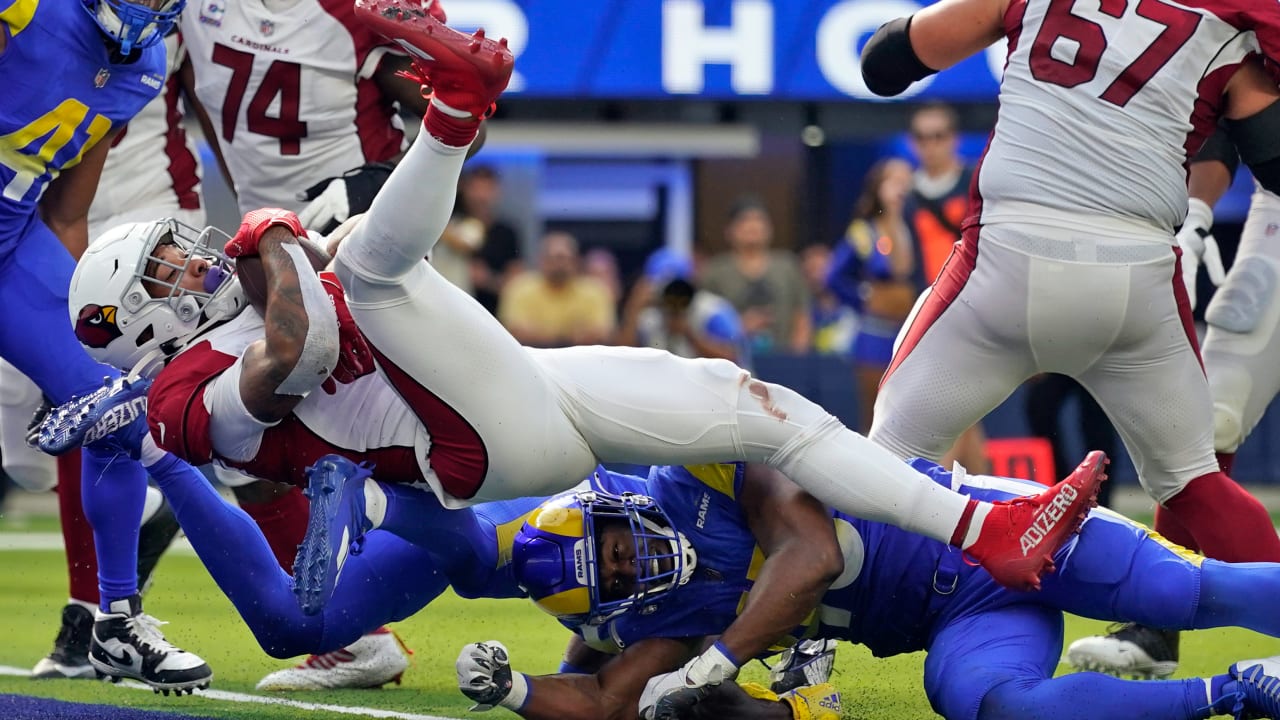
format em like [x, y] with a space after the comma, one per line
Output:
[1048, 519]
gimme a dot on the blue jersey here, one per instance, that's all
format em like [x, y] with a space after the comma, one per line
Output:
[62, 95]
[472, 547]
[885, 599]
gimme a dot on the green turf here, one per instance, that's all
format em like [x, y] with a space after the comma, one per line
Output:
[203, 621]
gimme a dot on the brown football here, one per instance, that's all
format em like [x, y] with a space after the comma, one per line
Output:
[253, 279]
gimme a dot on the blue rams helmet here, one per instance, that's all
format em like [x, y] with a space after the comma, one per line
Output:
[555, 554]
[135, 24]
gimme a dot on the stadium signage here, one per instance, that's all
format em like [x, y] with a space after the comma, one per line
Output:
[716, 49]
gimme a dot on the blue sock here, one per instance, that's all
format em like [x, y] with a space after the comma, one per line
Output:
[1224, 692]
[374, 589]
[1229, 595]
[113, 489]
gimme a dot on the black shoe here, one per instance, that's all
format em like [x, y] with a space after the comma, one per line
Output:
[128, 644]
[70, 656]
[153, 539]
[809, 662]
[1128, 650]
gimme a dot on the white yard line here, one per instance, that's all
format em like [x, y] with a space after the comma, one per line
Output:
[262, 700]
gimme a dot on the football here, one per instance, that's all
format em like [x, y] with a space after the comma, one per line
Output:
[253, 278]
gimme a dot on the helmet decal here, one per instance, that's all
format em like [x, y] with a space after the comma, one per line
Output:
[96, 326]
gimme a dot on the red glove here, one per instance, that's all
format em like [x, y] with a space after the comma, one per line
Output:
[245, 243]
[354, 357]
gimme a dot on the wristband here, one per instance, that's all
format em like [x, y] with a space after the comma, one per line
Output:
[519, 693]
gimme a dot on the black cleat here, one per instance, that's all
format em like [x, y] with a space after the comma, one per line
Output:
[128, 644]
[70, 656]
[1128, 650]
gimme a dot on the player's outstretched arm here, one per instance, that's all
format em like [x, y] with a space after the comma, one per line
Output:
[908, 49]
[613, 693]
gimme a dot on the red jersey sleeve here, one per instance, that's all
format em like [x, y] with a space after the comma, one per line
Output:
[176, 410]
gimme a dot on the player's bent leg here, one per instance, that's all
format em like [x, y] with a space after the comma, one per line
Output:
[639, 405]
[1243, 318]
[998, 665]
[498, 429]
[1175, 460]
[375, 590]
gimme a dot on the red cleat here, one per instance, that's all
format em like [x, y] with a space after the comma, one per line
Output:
[466, 72]
[1020, 536]
[435, 10]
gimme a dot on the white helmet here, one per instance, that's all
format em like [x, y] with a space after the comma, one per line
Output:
[119, 322]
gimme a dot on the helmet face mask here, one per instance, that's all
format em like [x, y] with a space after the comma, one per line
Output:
[135, 24]
[122, 312]
[556, 555]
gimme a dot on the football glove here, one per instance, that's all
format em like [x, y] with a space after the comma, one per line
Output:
[808, 702]
[671, 695]
[355, 359]
[245, 243]
[335, 199]
[1199, 247]
[809, 662]
[484, 675]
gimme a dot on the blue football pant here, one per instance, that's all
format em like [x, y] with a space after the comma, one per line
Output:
[995, 651]
[389, 580]
[39, 340]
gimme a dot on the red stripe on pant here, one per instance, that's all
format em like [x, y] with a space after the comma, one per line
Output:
[457, 455]
[955, 273]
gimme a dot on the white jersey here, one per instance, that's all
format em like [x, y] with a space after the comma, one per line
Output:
[197, 414]
[290, 94]
[153, 169]
[1100, 107]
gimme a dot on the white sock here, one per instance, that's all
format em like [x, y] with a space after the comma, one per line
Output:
[975, 524]
[452, 112]
[375, 503]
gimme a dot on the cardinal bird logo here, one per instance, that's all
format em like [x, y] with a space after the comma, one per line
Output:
[96, 326]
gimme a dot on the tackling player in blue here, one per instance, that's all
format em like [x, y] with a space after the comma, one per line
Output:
[74, 72]
[742, 538]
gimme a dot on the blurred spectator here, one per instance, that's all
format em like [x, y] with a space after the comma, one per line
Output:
[939, 199]
[496, 258]
[1047, 395]
[871, 272]
[601, 264]
[667, 311]
[835, 324]
[558, 305]
[455, 252]
[764, 285]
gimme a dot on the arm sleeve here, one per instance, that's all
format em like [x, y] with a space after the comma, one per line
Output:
[889, 63]
[235, 434]
[1255, 138]
[1218, 147]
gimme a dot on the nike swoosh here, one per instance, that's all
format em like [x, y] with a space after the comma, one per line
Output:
[162, 431]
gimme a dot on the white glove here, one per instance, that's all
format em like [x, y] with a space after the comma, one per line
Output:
[1198, 246]
[670, 695]
[335, 199]
[484, 675]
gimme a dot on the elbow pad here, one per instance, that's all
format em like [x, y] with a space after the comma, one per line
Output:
[1256, 139]
[1218, 147]
[889, 63]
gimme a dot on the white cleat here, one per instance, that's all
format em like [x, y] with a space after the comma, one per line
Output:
[1130, 650]
[372, 661]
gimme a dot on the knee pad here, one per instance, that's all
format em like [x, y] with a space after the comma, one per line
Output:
[1228, 428]
[1230, 385]
[1246, 296]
